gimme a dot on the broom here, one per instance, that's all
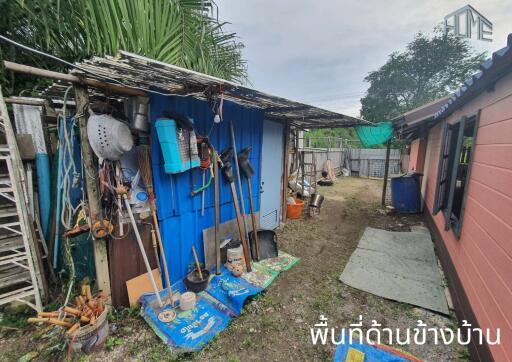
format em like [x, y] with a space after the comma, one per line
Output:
[147, 177]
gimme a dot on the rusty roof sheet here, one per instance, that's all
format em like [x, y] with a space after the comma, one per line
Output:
[154, 76]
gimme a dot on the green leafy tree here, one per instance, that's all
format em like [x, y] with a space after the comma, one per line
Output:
[431, 67]
[181, 32]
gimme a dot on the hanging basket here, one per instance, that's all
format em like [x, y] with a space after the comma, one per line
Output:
[110, 139]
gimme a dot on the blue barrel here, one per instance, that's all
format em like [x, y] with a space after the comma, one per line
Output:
[405, 193]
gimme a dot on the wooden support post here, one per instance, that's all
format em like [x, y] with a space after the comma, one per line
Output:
[91, 183]
[386, 170]
[286, 156]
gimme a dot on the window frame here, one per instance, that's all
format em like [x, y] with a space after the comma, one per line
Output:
[450, 220]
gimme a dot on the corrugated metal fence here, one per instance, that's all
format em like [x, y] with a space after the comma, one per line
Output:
[366, 162]
[363, 162]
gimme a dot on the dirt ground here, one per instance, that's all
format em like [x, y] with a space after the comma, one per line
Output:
[275, 326]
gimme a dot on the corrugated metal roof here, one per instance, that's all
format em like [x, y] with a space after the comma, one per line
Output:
[490, 71]
[417, 115]
[157, 77]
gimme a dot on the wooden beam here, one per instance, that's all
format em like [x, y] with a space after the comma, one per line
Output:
[25, 69]
[386, 171]
[92, 188]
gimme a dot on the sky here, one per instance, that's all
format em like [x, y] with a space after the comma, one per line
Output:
[318, 51]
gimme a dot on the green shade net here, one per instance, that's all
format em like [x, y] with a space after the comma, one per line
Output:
[375, 135]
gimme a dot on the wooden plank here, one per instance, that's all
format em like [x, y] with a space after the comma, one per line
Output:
[93, 196]
[142, 284]
[126, 262]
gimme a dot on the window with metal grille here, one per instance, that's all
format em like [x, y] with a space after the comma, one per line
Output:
[454, 167]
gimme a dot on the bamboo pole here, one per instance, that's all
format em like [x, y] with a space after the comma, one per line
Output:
[28, 102]
[25, 69]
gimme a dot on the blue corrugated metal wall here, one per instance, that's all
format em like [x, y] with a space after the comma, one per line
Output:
[181, 223]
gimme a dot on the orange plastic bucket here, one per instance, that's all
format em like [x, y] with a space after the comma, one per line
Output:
[294, 211]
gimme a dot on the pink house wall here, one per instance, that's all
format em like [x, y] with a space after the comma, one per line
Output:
[482, 255]
[417, 155]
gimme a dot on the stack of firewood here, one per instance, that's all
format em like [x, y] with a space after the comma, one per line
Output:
[86, 310]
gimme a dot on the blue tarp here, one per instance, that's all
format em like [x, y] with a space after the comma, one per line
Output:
[222, 300]
[367, 353]
[181, 223]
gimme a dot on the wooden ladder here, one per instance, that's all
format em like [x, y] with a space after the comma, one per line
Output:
[21, 277]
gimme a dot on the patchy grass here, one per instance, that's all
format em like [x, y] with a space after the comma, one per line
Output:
[275, 325]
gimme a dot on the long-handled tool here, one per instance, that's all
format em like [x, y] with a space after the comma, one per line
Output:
[239, 180]
[198, 266]
[145, 169]
[155, 249]
[245, 166]
[119, 204]
[217, 211]
[227, 171]
[122, 190]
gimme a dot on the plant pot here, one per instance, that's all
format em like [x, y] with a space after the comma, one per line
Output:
[193, 281]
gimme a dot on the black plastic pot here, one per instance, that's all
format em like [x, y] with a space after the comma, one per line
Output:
[194, 283]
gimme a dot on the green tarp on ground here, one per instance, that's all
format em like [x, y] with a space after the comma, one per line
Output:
[375, 135]
[401, 266]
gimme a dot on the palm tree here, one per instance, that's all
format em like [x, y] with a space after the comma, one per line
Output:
[181, 32]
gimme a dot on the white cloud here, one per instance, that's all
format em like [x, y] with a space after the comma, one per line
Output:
[320, 51]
